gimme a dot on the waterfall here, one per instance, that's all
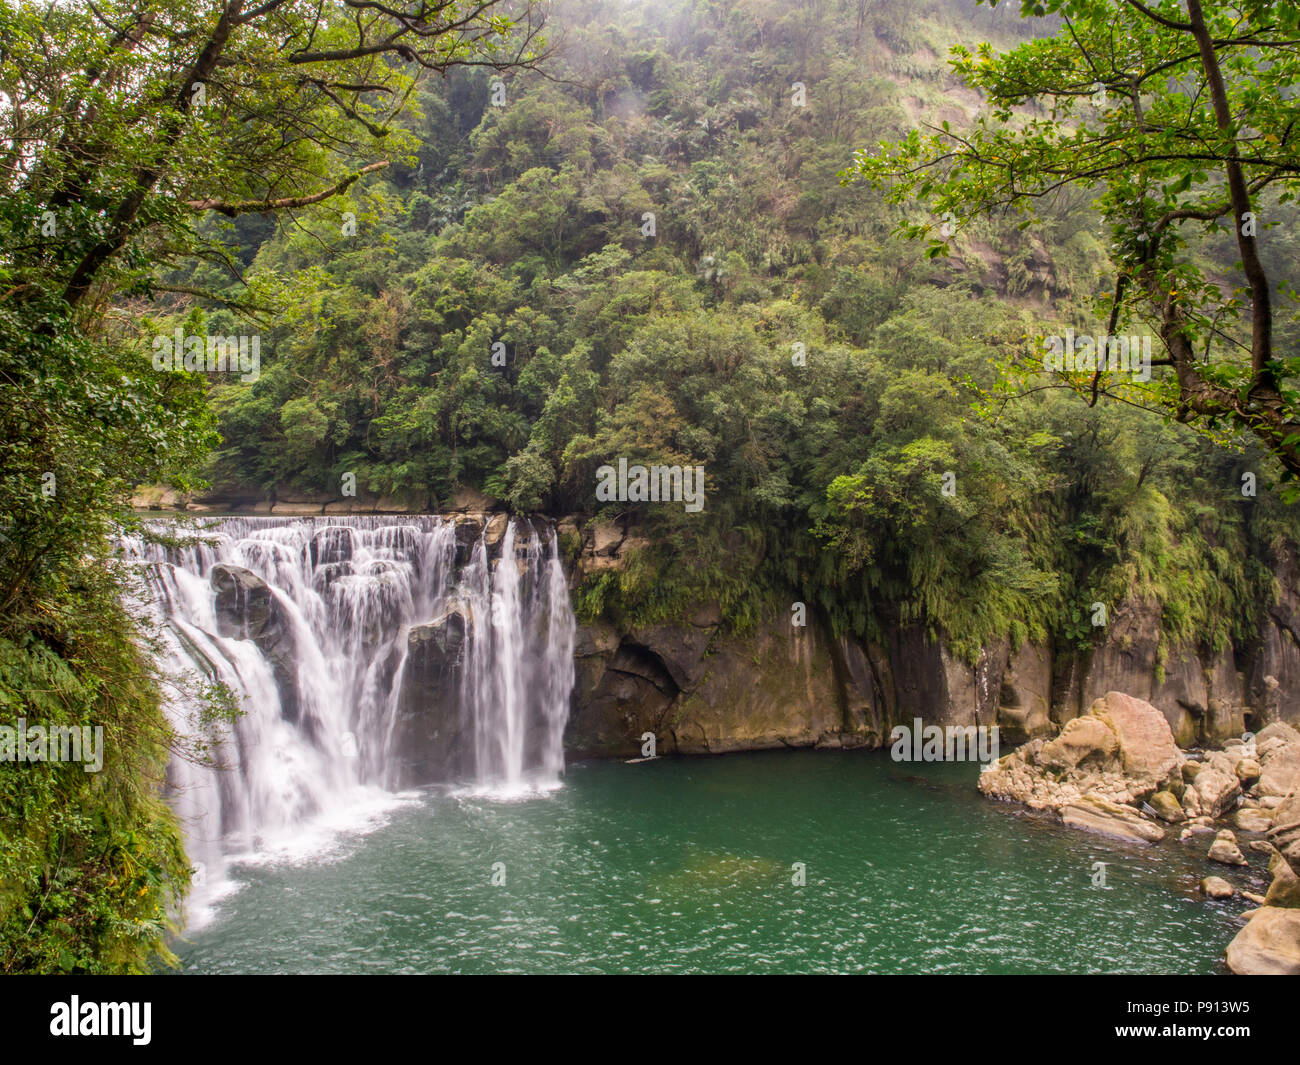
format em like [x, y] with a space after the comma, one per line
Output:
[311, 624]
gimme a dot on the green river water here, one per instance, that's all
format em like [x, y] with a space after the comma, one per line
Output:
[686, 865]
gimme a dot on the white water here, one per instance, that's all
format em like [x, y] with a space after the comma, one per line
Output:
[280, 784]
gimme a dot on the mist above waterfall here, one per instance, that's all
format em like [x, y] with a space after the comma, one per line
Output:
[367, 655]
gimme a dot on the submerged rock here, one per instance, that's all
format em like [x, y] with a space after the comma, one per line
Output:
[1216, 788]
[243, 602]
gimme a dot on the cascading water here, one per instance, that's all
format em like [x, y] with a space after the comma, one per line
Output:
[308, 622]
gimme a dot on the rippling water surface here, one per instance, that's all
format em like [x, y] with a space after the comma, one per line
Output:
[686, 865]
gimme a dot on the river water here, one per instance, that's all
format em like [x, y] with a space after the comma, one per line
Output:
[688, 866]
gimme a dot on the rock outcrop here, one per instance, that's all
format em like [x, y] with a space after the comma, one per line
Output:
[246, 609]
[1269, 945]
[432, 735]
[1121, 751]
[700, 690]
[1270, 942]
[1097, 771]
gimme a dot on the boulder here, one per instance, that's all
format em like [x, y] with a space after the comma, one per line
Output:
[1224, 850]
[1146, 744]
[1085, 741]
[1215, 887]
[1092, 813]
[1279, 769]
[1122, 751]
[604, 538]
[1269, 945]
[1167, 808]
[1217, 790]
[1252, 819]
[1285, 833]
[1285, 889]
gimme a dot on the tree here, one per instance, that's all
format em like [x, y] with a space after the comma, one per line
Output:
[1180, 119]
[127, 128]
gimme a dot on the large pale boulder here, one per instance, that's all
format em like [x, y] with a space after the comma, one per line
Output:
[1224, 850]
[1121, 751]
[1269, 945]
[1285, 833]
[1217, 789]
[1146, 743]
[1252, 819]
[1279, 769]
[1092, 813]
[1084, 741]
[1285, 888]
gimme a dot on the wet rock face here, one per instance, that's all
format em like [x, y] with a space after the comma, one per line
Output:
[701, 690]
[1029, 692]
[1025, 695]
[243, 603]
[1275, 669]
[1199, 691]
[246, 609]
[432, 735]
[331, 546]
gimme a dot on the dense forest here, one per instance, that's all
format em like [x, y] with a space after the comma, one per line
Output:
[647, 242]
[776, 328]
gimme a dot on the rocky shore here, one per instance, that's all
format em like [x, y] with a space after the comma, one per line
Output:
[1117, 771]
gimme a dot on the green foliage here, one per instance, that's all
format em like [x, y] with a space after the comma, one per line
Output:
[126, 131]
[824, 480]
[91, 866]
